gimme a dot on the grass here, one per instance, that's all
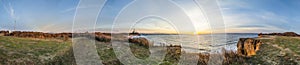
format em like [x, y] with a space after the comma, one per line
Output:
[274, 52]
[108, 56]
[30, 51]
[56, 52]
[287, 42]
[22, 51]
[267, 55]
[105, 51]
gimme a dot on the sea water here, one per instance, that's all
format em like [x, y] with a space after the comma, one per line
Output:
[201, 43]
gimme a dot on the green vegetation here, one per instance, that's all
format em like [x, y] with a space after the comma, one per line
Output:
[280, 50]
[31, 51]
[14, 50]
[108, 56]
[292, 43]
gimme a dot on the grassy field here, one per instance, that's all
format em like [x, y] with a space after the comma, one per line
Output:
[32, 51]
[108, 56]
[20, 51]
[279, 50]
[29, 51]
[292, 44]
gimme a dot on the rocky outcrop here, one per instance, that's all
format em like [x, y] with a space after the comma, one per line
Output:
[104, 37]
[134, 33]
[97, 36]
[140, 41]
[292, 34]
[248, 46]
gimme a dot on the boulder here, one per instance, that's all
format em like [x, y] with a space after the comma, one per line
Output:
[103, 38]
[140, 41]
[248, 46]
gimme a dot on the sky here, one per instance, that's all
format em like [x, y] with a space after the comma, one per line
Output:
[239, 16]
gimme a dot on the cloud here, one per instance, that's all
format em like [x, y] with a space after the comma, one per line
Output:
[72, 9]
[260, 21]
[253, 25]
[239, 16]
[11, 11]
[68, 10]
[55, 27]
[252, 18]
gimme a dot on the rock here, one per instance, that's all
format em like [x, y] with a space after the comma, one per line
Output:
[141, 41]
[102, 37]
[248, 46]
[292, 34]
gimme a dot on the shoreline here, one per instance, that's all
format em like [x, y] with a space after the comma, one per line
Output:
[272, 47]
[105, 37]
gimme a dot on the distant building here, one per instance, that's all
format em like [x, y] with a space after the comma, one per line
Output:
[10, 31]
[134, 33]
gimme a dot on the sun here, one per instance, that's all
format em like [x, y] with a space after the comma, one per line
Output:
[202, 32]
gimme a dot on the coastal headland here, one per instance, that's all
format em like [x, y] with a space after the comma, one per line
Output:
[23, 47]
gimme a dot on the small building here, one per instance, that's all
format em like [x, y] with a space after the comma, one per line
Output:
[133, 33]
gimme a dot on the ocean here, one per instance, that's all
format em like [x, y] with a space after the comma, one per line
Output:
[201, 43]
